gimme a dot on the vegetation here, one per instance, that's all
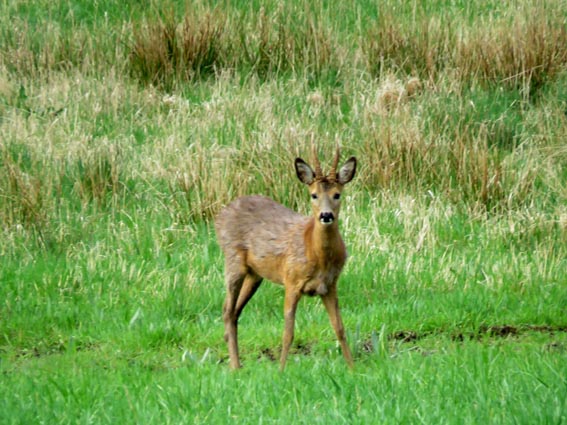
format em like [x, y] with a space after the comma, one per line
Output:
[125, 127]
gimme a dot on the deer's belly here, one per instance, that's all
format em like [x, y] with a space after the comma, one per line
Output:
[267, 267]
[315, 287]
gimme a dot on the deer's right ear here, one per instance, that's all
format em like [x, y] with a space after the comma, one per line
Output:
[304, 171]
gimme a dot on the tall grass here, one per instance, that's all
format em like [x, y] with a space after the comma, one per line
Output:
[451, 135]
[521, 48]
[477, 150]
[165, 51]
[24, 193]
[201, 45]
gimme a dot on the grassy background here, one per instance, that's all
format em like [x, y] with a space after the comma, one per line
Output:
[126, 127]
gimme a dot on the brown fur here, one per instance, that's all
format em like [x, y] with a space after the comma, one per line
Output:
[263, 239]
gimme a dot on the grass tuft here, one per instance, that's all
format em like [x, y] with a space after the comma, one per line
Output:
[524, 51]
[166, 51]
[24, 194]
[97, 176]
[410, 48]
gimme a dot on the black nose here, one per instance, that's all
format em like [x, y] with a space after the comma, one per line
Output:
[326, 217]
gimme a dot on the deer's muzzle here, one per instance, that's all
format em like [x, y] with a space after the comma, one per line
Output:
[326, 217]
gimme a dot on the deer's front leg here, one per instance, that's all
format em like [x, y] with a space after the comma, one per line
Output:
[292, 298]
[331, 302]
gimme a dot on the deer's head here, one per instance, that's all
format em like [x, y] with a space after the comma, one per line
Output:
[325, 190]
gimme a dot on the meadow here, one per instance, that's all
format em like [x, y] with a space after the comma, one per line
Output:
[126, 126]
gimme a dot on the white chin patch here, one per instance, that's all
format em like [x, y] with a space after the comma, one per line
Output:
[326, 222]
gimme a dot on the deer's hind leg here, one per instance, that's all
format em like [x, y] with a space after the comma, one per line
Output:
[249, 287]
[234, 278]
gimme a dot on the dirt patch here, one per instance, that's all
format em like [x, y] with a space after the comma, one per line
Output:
[367, 346]
[273, 355]
[407, 336]
[509, 331]
[304, 349]
[499, 331]
[546, 329]
[45, 350]
[555, 347]
[483, 332]
[267, 353]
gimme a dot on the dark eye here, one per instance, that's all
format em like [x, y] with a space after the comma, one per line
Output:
[313, 196]
[337, 196]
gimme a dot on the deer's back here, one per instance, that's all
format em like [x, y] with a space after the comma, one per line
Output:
[260, 225]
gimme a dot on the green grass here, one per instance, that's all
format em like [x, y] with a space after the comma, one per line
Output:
[125, 129]
[462, 383]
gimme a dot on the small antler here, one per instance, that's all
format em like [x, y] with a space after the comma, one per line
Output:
[318, 171]
[333, 173]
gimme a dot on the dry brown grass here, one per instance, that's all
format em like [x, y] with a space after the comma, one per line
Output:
[280, 43]
[204, 44]
[24, 195]
[28, 52]
[519, 48]
[96, 176]
[242, 127]
[525, 50]
[420, 48]
[164, 51]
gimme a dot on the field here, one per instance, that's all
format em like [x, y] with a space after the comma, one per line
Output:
[126, 126]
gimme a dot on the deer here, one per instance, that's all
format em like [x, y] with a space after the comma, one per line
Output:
[262, 239]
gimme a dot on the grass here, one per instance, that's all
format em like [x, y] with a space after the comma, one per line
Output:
[124, 130]
[500, 385]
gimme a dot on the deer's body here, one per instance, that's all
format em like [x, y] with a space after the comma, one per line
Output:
[279, 244]
[263, 239]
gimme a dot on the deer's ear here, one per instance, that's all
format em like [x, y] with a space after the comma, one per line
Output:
[347, 171]
[304, 172]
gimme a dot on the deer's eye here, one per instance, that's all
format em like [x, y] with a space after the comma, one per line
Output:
[337, 196]
[313, 196]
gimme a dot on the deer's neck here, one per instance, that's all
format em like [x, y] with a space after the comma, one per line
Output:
[324, 243]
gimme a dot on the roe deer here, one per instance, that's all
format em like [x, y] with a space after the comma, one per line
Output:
[263, 239]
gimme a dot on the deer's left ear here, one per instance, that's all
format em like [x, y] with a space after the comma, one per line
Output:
[347, 171]
[304, 171]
